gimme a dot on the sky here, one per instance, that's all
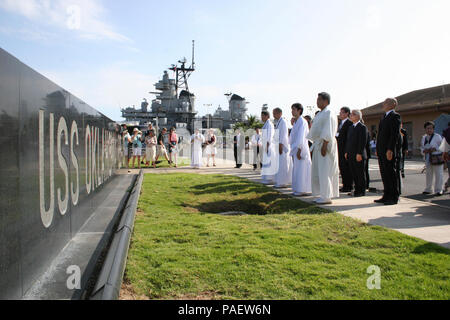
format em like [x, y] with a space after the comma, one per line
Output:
[110, 53]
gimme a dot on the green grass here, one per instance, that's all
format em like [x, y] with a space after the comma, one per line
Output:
[285, 249]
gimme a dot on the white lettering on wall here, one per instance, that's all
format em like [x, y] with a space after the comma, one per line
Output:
[99, 155]
[63, 203]
[87, 153]
[74, 133]
[46, 215]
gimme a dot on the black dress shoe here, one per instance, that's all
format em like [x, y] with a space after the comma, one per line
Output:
[391, 203]
[439, 194]
[359, 195]
[382, 200]
[426, 193]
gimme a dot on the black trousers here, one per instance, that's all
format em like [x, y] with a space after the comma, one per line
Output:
[255, 164]
[344, 168]
[357, 170]
[390, 174]
[402, 163]
[367, 174]
[236, 158]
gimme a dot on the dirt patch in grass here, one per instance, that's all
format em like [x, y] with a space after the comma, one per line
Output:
[127, 292]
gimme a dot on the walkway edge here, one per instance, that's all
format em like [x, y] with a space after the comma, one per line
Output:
[110, 279]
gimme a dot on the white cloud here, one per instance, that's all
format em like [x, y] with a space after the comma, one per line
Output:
[85, 17]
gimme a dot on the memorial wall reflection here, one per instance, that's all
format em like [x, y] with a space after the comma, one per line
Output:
[57, 152]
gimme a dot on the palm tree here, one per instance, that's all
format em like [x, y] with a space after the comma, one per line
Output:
[253, 122]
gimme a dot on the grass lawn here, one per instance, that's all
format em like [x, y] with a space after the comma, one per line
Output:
[284, 249]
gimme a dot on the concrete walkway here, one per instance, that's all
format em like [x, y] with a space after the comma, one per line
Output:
[415, 218]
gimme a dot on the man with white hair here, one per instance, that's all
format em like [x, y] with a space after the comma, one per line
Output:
[325, 168]
[355, 152]
[387, 144]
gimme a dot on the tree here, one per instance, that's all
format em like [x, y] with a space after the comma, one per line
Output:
[251, 123]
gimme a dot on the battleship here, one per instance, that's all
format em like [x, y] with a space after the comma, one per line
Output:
[174, 104]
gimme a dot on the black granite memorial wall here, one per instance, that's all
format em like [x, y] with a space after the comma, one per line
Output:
[56, 152]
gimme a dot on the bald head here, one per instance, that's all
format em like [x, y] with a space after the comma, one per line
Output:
[390, 104]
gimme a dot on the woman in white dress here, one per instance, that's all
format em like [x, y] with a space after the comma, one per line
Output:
[197, 140]
[211, 149]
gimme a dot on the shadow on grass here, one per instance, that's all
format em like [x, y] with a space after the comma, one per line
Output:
[238, 187]
[269, 203]
[430, 247]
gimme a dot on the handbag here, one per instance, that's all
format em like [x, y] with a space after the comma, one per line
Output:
[436, 159]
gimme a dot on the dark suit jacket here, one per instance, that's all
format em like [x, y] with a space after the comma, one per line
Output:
[357, 141]
[342, 138]
[389, 134]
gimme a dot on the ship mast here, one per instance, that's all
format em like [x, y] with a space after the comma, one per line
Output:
[183, 73]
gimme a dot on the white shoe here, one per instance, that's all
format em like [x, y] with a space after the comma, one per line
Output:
[323, 201]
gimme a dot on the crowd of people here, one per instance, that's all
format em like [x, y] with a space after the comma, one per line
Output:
[311, 156]
[154, 147]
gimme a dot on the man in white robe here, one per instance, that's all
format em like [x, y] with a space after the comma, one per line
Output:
[270, 166]
[301, 171]
[256, 145]
[325, 167]
[197, 139]
[283, 177]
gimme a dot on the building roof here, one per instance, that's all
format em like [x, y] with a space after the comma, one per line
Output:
[418, 100]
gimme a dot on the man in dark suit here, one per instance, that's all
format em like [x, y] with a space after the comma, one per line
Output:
[387, 152]
[341, 136]
[239, 144]
[369, 156]
[405, 146]
[356, 153]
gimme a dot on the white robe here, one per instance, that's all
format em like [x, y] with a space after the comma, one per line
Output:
[325, 170]
[197, 156]
[255, 142]
[270, 166]
[284, 175]
[444, 147]
[301, 172]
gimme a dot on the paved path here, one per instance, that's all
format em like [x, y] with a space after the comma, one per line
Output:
[413, 184]
[419, 219]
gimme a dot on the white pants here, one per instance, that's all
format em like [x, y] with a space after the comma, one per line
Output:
[436, 173]
[150, 153]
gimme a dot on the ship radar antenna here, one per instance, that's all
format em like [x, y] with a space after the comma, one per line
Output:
[183, 73]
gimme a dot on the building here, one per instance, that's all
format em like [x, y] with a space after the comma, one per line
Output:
[415, 108]
[225, 119]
